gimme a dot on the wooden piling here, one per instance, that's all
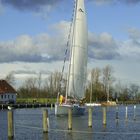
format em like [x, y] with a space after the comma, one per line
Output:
[70, 119]
[126, 113]
[104, 115]
[90, 117]
[45, 121]
[134, 112]
[117, 114]
[45, 136]
[10, 124]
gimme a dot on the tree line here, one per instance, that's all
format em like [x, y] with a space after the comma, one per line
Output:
[101, 86]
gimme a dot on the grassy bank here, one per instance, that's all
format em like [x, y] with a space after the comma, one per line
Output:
[36, 100]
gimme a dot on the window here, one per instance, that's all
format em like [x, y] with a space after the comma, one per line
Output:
[8, 96]
[12, 96]
[4, 96]
[1, 96]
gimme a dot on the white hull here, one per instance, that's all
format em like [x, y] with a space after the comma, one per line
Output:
[92, 104]
[63, 109]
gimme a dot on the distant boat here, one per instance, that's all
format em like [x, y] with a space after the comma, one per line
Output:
[109, 103]
[76, 80]
[93, 104]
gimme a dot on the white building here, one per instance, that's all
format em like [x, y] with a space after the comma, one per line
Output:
[7, 93]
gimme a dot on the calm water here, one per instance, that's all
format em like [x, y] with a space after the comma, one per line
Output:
[28, 125]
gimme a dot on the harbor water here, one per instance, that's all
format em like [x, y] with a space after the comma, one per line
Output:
[28, 125]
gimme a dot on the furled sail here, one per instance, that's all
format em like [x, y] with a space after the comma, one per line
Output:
[78, 57]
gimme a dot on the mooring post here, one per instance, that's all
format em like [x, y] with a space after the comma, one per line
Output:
[45, 121]
[104, 115]
[70, 119]
[89, 117]
[134, 112]
[117, 114]
[10, 124]
[126, 113]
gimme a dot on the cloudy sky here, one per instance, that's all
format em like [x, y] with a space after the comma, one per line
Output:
[33, 36]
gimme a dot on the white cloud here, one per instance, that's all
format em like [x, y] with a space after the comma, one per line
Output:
[134, 33]
[131, 47]
[43, 47]
[48, 47]
[102, 46]
[41, 8]
[32, 5]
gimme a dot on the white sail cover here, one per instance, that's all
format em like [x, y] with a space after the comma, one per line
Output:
[78, 57]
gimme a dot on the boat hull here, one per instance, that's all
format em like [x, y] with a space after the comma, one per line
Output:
[92, 104]
[63, 109]
[109, 103]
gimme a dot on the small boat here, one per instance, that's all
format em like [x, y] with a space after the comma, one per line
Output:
[109, 103]
[63, 109]
[76, 78]
[92, 104]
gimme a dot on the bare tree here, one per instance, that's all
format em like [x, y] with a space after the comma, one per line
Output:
[52, 83]
[39, 84]
[30, 85]
[107, 79]
[96, 73]
[134, 90]
[95, 76]
[39, 80]
[10, 78]
[118, 90]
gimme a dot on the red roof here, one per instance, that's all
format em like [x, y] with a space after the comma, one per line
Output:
[6, 88]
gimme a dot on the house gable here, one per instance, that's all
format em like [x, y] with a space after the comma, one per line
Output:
[6, 88]
[7, 92]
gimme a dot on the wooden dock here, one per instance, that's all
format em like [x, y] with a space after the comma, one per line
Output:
[15, 106]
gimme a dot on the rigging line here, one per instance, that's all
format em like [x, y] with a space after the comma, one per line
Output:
[67, 46]
[70, 33]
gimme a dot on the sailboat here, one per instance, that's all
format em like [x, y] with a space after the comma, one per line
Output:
[76, 79]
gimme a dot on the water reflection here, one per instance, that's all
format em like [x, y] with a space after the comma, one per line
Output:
[45, 136]
[104, 127]
[10, 138]
[69, 136]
